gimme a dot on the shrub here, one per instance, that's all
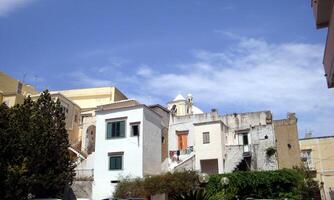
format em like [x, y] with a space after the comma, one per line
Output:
[270, 151]
[169, 183]
[264, 184]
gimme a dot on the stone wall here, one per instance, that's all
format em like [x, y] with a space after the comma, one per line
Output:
[82, 189]
[288, 150]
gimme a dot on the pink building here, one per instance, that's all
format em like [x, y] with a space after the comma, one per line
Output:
[323, 11]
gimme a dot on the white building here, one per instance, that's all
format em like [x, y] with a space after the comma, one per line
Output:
[213, 143]
[128, 143]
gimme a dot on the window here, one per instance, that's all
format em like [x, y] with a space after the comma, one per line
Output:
[135, 128]
[116, 161]
[206, 137]
[115, 129]
[307, 158]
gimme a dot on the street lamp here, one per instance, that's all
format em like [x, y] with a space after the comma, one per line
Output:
[203, 178]
[224, 181]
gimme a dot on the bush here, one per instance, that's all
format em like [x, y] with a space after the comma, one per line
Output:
[280, 184]
[264, 184]
[169, 183]
[270, 151]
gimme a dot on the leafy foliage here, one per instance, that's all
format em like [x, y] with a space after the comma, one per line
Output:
[34, 150]
[280, 184]
[265, 184]
[199, 194]
[270, 151]
[310, 187]
[169, 183]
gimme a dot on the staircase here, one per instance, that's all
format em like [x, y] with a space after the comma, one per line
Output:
[234, 157]
[185, 162]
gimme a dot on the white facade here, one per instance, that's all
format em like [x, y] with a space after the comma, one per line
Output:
[210, 149]
[237, 141]
[141, 155]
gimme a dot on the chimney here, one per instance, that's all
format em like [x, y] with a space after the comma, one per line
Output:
[308, 134]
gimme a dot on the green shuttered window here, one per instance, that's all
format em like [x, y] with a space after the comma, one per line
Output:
[115, 162]
[115, 129]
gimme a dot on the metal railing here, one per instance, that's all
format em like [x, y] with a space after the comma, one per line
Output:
[84, 174]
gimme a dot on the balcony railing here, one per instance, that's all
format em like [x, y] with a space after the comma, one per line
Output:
[186, 151]
[84, 174]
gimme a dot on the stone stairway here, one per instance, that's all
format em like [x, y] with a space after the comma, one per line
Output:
[234, 156]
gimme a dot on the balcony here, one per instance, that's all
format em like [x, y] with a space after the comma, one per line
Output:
[329, 54]
[322, 11]
[84, 174]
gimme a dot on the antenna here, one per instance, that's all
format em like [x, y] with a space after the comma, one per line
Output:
[24, 77]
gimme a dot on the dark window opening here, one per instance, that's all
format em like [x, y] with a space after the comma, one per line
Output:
[135, 130]
[245, 139]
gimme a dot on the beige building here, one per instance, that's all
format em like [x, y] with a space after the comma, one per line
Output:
[12, 91]
[89, 98]
[287, 144]
[318, 155]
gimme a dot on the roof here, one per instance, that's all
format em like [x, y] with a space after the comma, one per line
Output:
[320, 137]
[179, 97]
[159, 106]
[124, 104]
[196, 110]
[36, 96]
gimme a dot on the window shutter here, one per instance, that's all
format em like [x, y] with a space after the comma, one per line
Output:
[122, 128]
[109, 130]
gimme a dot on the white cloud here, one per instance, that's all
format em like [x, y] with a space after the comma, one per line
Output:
[250, 75]
[253, 73]
[144, 71]
[7, 6]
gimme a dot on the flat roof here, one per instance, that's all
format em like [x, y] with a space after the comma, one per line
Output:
[320, 137]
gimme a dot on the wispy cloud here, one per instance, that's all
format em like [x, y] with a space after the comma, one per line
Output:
[8, 6]
[255, 74]
[250, 75]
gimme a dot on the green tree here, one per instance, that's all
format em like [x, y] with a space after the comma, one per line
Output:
[34, 149]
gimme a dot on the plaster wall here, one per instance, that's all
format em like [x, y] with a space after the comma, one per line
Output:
[151, 143]
[288, 150]
[322, 155]
[131, 146]
[215, 149]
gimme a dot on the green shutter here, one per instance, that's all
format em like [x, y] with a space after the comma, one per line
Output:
[122, 129]
[109, 130]
[115, 162]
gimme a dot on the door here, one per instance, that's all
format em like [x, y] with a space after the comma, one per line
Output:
[243, 140]
[183, 141]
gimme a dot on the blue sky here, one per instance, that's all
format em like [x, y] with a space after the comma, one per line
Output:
[237, 56]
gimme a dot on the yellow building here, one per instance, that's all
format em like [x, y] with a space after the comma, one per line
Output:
[318, 155]
[12, 91]
[89, 98]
